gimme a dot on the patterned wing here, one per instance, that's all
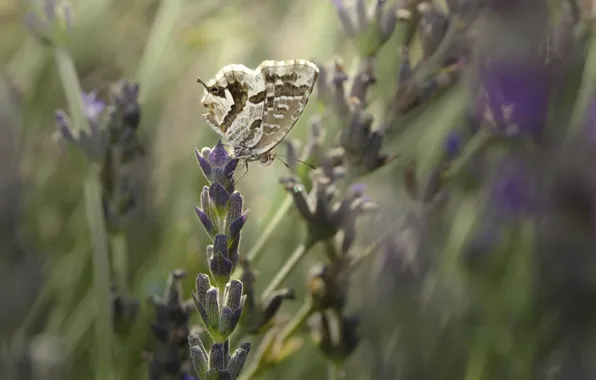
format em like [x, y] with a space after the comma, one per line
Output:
[226, 98]
[287, 88]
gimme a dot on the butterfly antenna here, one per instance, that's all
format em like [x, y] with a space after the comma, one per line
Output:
[297, 160]
[199, 80]
[282, 161]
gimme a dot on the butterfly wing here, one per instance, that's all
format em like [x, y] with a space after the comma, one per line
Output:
[226, 97]
[287, 88]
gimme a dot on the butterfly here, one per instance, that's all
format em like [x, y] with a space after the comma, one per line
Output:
[254, 110]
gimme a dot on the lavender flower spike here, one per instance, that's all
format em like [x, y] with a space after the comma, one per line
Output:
[220, 305]
[93, 144]
[220, 212]
[48, 20]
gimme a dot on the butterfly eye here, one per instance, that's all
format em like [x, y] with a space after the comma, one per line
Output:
[213, 90]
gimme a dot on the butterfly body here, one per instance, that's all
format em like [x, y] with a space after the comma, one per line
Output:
[253, 110]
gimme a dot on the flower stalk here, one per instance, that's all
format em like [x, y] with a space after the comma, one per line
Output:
[81, 125]
[220, 303]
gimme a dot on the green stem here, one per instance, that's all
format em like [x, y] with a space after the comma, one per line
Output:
[287, 269]
[159, 36]
[72, 90]
[306, 310]
[120, 260]
[256, 249]
[334, 370]
[257, 367]
[586, 90]
[101, 274]
[95, 219]
[476, 363]
[372, 247]
[438, 57]
[476, 143]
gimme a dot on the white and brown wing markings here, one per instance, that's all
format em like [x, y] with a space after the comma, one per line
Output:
[286, 96]
[239, 93]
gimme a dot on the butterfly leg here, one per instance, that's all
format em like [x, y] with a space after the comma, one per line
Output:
[245, 171]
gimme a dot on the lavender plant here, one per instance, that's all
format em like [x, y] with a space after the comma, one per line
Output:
[171, 328]
[105, 136]
[219, 305]
[50, 23]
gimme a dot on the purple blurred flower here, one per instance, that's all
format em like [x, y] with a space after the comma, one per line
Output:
[513, 190]
[48, 20]
[92, 143]
[452, 144]
[93, 107]
[513, 97]
[359, 22]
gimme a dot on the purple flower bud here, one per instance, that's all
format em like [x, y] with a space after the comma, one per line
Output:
[125, 92]
[219, 196]
[204, 164]
[432, 28]
[237, 225]
[212, 309]
[387, 19]
[513, 191]
[64, 129]
[202, 284]
[273, 304]
[363, 79]
[93, 107]
[300, 201]
[345, 17]
[220, 245]
[233, 294]
[238, 359]
[235, 207]
[219, 155]
[206, 221]
[233, 251]
[357, 189]
[206, 201]
[218, 166]
[216, 357]
[372, 159]
[229, 169]
[405, 68]
[49, 20]
[220, 267]
[92, 143]
[452, 144]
